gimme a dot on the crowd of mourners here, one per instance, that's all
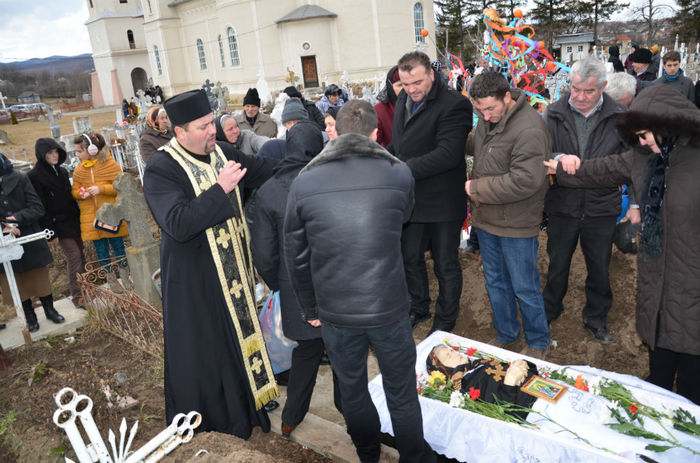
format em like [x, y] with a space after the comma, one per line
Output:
[342, 207]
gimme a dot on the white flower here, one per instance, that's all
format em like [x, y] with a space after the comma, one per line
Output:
[456, 399]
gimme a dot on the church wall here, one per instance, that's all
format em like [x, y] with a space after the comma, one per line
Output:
[347, 42]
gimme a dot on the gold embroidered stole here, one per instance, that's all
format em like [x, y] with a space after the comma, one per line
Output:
[228, 242]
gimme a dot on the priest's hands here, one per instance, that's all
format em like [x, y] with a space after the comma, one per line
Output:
[230, 175]
[516, 373]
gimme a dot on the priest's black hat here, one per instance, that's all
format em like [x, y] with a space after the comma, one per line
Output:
[187, 106]
[251, 97]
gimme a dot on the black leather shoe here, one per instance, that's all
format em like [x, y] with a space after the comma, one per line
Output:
[54, 316]
[271, 405]
[600, 334]
[325, 360]
[417, 318]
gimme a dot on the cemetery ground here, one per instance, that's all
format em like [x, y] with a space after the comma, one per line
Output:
[95, 358]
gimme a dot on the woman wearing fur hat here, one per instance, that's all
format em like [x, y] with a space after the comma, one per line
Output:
[155, 134]
[663, 130]
[21, 210]
[62, 215]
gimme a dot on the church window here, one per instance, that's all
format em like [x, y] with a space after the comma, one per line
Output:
[91, 5]
[202, 56]
[157, 55]
[568, 49]
[122, 1]
[233, 47]
[130, 37]
[150, 10]
[221, 52]
[418, 22]
[580, 48]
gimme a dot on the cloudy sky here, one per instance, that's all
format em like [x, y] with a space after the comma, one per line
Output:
[41, 28]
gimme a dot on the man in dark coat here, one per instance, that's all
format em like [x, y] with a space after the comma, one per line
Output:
[583, 123]
[215, 357]
[641, 64]
[431, 123]
[342, 239]
[673, 75]
[62, 215]
[304, 141]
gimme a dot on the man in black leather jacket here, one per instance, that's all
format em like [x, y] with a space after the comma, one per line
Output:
[342, 244]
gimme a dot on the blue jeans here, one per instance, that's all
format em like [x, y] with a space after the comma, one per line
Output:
[102, 249]
[396, 354]
[510, 268]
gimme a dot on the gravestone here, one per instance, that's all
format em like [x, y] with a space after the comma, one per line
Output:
[82, 125]
[4, 139]
[220, 93]
[143, 255]
[143, 101]
[55, 129]
[207, 86]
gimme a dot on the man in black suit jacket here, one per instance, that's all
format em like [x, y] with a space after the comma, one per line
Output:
[431, 124]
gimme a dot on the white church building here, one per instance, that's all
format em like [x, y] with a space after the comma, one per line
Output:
[179, 44]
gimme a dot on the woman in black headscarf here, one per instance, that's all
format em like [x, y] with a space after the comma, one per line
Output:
[62, 215]
[21, 209]
[614, 58]
[385, 107]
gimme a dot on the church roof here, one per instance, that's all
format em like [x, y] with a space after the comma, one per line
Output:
[306, 12]
[581, 37]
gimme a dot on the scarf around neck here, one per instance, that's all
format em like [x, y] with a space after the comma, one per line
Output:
[652, 198]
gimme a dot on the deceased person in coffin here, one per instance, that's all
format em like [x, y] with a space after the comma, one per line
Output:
[498, 381]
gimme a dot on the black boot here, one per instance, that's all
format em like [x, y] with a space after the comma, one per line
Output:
[32, 323]
[51, 314]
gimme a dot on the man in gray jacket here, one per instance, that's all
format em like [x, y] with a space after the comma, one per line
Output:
[509, 145]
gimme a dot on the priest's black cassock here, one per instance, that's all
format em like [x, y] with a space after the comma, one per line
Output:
[205, 366]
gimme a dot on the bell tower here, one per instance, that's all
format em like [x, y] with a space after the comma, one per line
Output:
[119, 49]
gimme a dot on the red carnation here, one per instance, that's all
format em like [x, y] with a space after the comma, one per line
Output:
[633, 409]
[471, 351]
[474, 393]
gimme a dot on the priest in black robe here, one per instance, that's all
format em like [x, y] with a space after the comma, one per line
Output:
[215, 357]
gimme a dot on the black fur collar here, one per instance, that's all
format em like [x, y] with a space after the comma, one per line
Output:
[348, 146]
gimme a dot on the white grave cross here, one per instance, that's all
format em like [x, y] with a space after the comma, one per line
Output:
[11, 249]
[2, 99]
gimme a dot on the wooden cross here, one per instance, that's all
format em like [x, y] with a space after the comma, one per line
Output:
[236, 288]
[496, 372]
[223, 238]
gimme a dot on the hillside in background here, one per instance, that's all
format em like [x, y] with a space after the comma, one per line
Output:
[54, 64]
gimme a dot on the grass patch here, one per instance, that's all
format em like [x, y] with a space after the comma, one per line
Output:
[9, 441]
